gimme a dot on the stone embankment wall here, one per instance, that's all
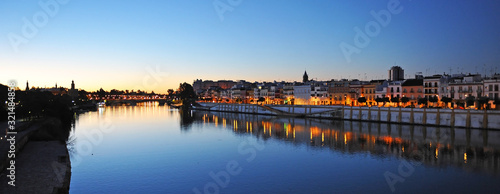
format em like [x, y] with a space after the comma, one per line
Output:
[485, 119]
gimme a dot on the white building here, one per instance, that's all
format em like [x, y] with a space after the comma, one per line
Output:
[302, 94]
[394, 89]
[460, 89]
[491, 87]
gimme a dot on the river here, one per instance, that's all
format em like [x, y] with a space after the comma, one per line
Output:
[155, 149]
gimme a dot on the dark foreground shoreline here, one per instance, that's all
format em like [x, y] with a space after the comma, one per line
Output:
[42, 162]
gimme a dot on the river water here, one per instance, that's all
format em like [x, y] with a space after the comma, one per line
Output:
[155, 149]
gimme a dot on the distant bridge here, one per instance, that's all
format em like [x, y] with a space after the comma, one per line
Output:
[110, 102]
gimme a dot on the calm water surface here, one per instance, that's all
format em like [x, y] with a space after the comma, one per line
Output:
[155, 149]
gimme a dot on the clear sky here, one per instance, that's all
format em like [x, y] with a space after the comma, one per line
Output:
[155, 45]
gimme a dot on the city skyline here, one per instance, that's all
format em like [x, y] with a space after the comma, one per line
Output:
[156, 46]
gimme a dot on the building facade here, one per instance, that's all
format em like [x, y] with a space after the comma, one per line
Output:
[302, 94]
[339, 91]
[413, 90]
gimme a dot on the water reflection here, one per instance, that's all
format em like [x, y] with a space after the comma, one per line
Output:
[469, 149]
[187, 118]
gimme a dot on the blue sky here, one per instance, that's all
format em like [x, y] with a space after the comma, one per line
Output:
[117, 44]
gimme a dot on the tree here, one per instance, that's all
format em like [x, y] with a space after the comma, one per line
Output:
[169, 91]
[385, 100]
[101, 93]
[481, 101]
[470, 100]
[497, 104]
[82, 95]
[422, 101]
[186, 93]
[433, 99]
[405, 100]
[395, 100]
[261, 99]
[446, 100]
[378, 100]
[362, 100]
[115, 92]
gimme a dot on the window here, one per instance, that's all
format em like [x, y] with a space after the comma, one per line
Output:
[397, 89]
[404, 90]
[435, 84]
[392, 89]
[411, 90]
[490, 88]
[496, 88]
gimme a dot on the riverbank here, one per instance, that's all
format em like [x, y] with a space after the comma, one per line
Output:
[480, 119]
[42, 162]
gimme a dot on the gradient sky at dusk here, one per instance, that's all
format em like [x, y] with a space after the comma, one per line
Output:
[120, 44]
